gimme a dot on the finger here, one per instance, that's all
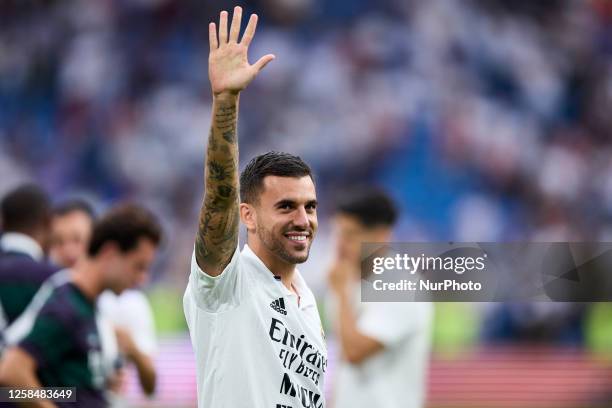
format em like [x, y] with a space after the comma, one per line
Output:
[223, 28]
[236, 20]
[212, 36]
[263, 61]
[250, 30]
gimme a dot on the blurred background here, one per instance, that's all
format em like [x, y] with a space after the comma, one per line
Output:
[487, 120]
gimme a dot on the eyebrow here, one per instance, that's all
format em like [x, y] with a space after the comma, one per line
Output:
[293, 203]
[282, 203]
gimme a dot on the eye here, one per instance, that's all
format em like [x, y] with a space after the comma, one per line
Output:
[311, 207]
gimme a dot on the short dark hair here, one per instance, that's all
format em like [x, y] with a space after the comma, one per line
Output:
[74, 205]
[25, 209]
[371, 206]
[125, 225]
[269, 164]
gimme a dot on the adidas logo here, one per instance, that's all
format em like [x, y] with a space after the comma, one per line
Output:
[279, 306]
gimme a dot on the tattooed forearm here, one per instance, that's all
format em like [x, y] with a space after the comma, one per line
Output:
[218, 171]
[217, 235]
[229, 137]
[225, 118]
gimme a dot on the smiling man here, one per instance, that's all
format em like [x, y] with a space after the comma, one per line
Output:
[253, 321]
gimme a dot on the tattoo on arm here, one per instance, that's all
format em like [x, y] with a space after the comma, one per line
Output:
[229, 136]
[218, 171]
[217, 235]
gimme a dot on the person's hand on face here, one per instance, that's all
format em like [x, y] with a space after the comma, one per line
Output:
[341, 275]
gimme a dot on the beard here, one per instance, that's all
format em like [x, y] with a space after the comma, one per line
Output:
[275, 244]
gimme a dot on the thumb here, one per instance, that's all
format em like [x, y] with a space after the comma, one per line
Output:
[263, 61]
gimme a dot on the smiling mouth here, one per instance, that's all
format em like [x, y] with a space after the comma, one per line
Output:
[300, 237]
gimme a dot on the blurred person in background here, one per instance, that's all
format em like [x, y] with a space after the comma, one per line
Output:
[71, 227]
[253, 320]
[384, 347]
[63, 347]
[26, 217]
[129, 312]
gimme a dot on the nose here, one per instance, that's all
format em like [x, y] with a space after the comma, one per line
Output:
[301, 218]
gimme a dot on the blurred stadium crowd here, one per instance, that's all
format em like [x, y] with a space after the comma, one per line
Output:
[487, 120]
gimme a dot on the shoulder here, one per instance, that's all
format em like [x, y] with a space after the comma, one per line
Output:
[66, 305]
[24, 268]
[131, 302]
[133, 297]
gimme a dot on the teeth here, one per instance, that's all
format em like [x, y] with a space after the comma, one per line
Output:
[297, 237]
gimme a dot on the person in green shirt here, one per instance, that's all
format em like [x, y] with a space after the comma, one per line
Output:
[63, 346]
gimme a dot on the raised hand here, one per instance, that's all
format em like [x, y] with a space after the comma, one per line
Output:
[229, 70]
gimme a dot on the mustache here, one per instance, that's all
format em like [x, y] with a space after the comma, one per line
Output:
[298, 229]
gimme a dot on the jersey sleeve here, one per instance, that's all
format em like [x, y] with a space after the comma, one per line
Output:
[390, 323]
[48, 340]
[215, 294]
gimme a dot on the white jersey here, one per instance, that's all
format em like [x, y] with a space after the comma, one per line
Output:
[395, 377]
[131, 310]
[255, 347]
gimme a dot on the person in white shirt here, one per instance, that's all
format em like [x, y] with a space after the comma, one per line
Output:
[253, 321]
[384, 347]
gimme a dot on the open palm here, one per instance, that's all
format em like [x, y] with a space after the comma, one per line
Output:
[228, 66]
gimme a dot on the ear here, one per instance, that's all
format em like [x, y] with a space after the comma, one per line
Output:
[248, 216]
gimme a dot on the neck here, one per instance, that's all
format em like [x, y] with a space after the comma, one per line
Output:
[287, 278]
[277, 266]
[39, 237]
[86, 276]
